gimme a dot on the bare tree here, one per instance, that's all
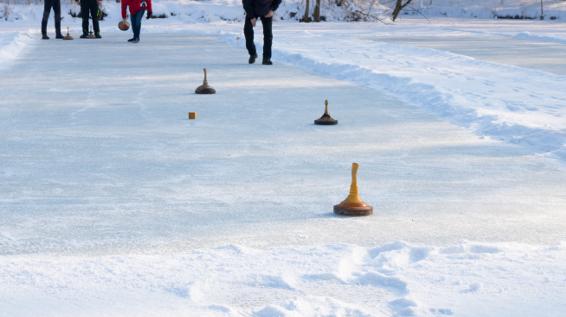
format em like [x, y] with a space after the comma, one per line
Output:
[306, 17]
[316, 14]
[399, 6]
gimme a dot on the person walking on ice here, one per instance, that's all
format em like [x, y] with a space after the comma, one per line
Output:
[56, 5]
[90, 6]
[137, 10]
[264, 10]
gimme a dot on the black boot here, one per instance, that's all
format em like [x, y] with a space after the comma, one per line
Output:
[84, 35]
[44, 30]
[97, 35]
[267, 61]
[58, 34]
[252, 59]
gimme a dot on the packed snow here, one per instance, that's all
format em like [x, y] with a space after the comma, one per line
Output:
[394, 279]
[112, 203]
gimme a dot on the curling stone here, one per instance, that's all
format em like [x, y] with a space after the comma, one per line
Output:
[192, 115]
[205, 89]
[326, 119]
[353, 205]
[68, 36]
[124, 25]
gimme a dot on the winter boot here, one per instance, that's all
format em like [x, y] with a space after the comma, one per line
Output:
[58, 34]
[266, 62]
[97, 35]
[44, 30]
[252, 59]
[84, 36]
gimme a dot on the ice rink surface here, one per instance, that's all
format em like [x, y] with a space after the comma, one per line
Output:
[110, 197]
[98, 153]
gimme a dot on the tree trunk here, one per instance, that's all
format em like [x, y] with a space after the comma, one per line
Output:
[399, 5]
[306, 17]
[316, 13]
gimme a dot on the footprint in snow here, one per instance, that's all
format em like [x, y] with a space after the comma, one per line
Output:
[277, 281]
[182, 292]
[472, 288]
[442, 311]
[402, 307]
[192, 292]
[269, 311]
[379, 280]
[321, 277]
[477, 248]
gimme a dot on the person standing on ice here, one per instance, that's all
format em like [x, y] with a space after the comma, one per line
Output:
[92, 7]
[137, 10]
[56, 5]
[262, 9]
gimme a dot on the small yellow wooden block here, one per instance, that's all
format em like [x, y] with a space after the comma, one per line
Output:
[192, 115]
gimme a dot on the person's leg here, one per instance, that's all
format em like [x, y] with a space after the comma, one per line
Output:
[57, 9]
[249, 34]
[45, 19]
[137, 26]
[135, 21]
[132, 22]
[267, 39]
[94, 15]
[84, 16]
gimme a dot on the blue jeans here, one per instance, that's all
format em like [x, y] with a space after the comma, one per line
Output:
[136, 22]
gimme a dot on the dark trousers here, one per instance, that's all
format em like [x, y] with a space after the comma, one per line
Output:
[136, 20]
[92, 7]
[56, 5]
[267, 36]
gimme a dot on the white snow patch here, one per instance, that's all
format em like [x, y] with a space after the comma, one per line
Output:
[222, 283]
[12, 46]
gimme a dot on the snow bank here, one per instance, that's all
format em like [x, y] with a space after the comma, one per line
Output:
[25, 12]
[354, 10]
[512, 9]
[186, 10]
[395, 279]
[12, 46]
[538, 37]
[231, 10]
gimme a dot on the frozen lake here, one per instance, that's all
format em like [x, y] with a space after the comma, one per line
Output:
[502, 43]
[113, 203]
[99, 157]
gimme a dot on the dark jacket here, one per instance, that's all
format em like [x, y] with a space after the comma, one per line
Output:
[259, 8]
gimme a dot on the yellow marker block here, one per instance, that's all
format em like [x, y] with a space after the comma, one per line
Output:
[192, 115]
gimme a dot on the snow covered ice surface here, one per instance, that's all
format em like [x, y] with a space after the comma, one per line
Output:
[492, 77]
[112, 203]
